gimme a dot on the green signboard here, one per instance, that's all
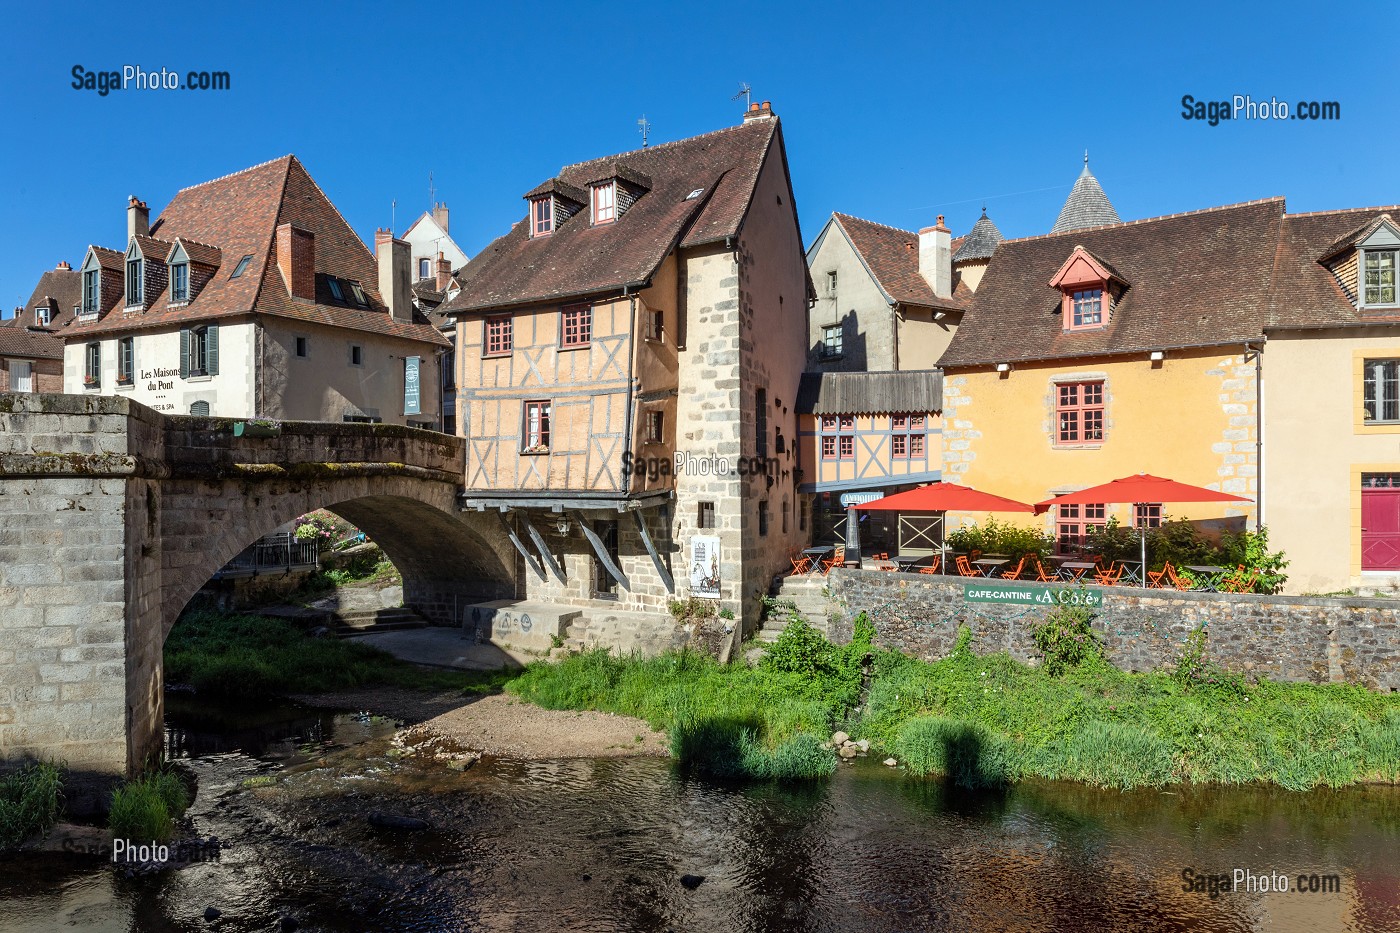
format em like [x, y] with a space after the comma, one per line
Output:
[1031, 595]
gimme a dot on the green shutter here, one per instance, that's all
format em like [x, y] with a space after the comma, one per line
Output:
[213, 368]
[185, 353]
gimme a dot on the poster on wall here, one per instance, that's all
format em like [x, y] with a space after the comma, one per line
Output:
[410, 385]
[704, 567]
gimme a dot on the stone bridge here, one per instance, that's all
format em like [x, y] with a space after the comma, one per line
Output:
[112, 516]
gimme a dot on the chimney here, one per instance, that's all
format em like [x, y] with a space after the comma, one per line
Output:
[296, 260]
[444, 273]
[763, 111]
[440, 215]
[64, 267]
[138, 218]
[393, 257]
[936, 258]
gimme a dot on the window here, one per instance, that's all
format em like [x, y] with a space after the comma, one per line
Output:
[134, 286]
[1147, 515]
[838, 437]
[21, 376]
[43, 314]
[203, 351]
[200, 409]
[126, 360]
[1073, 524]
[1379, 282]
[180, 282]
[763, 517]
[706, 516]
[760, 422]
[425, 268]
[604, 202]
[831, 342]
[655, 427]
[542, 216]
[359, 294]
[242, 266]
[90, 285]
[1381, 391]
[92, 373]
[500, 335]
[802, 516]
[576, 326]
[449, 372]
[357, 355]
[906, 436]
[536, 428]
[333, 284]
[362, 419]
[303, 347]
[831, 281]
[785, 517]
[1079, 412]
[656, 322]
[1086, 308]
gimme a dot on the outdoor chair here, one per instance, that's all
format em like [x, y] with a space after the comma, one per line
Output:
[1015, 573]
[801, 563]
[1241, 581]
[1041, 574]
[1175, 580]
[1156, 579]
[933, 565]
[838, 556]
[965, 567]
[1110, 575]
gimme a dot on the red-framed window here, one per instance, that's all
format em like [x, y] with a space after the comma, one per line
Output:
[906, 437]
[1073, 523]
[838, 437]
[542, 216]
[499, 336]
[916, 445]
[1147, 515]
[829, 447]
[847, 444]
[576, 326]
[604, 202]
[534, 429]
[1079, 412]
[1085, 308]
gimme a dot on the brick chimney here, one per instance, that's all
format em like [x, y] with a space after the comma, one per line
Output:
[763, 111]
[394, 258]
[444, 273]
[138, 218]
[64, 267]
[936, 258]
[296, 260]
[440, 215]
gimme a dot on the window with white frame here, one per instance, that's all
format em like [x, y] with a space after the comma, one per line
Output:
[831, 341]
[92, 370]
[535, 430]
[1378, 270]
[542, 216]
[1381, 391]
[604, 202]
[425, 268]
[126, 360]
[21, 376]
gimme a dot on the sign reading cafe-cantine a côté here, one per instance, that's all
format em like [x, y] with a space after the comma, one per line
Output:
[1031, 595]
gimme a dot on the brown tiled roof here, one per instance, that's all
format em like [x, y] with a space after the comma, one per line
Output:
[28, 343]
[113, 259]
[238, 214]
[1196, 279]
[579, 259]
[152, 248]
[201, 253]
[1305, 292]
[893, 258]
[61, 286]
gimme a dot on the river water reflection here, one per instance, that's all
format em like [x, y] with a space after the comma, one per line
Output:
[600, 845]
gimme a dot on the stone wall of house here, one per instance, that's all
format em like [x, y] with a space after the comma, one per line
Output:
[1288, 638]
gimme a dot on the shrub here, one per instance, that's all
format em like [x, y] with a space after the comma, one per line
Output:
[967, 753]
[995, 537]
[1250, 549]
[30, 800]
[145, 810]
[731, 749]
[801, 649]
[1067, 640]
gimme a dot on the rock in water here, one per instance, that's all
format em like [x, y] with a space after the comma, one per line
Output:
[407, 824]
[891, 762]
[691, 882]
[212, 913]
[847, 751]
[863, 745]
[840, 738]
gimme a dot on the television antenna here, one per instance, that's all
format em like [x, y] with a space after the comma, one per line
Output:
[645, 127]
[745, 92]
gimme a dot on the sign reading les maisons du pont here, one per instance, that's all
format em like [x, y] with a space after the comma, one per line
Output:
[704, 566]
[1031, 595]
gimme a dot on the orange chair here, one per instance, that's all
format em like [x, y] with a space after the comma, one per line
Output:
[1110, 575]
[1241, 581]
[965, 567]
[1175, 580]
[933, 565]
[1041, 575]
[1013, 574]
[801, 563]
[838, 556]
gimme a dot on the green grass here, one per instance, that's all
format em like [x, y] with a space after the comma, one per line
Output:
[30, 800]
[255, 657]
[145, 810]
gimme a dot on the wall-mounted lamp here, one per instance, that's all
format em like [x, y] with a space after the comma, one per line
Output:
[939, 315]
[562, 526]
[1158, 355]
[1003, 367]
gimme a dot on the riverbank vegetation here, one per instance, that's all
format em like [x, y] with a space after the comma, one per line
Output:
[144, 810]
[30, 800]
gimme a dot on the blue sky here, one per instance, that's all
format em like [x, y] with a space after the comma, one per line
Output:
[894, 112]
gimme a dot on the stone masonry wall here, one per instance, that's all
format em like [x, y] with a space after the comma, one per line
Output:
[1287, 638]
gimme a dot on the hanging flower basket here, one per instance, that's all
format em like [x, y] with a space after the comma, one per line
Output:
[257, 429]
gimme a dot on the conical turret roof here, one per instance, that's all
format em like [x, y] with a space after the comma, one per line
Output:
[981, 241]
[1086, 206]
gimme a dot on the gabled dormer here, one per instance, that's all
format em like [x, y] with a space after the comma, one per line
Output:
[192, 264]
[551, 204]
[617, 187]
[145, 273]
[1366, 264]
[1089, 289]
[101, 279]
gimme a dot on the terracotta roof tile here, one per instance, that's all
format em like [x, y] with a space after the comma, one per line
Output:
[25, 342]
[62, 288]
[893, 257]
[1305, 292]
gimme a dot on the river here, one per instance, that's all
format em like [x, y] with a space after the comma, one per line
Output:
[602, 845]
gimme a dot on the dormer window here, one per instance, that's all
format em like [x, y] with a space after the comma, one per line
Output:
[604, 198]
[333, 284]
[180, 282]
[1086, 285]
[359, 294]
[1378, 277]
[542, 216]
[1087, 308]
[134, 286]
[43, 315]
[91, 284]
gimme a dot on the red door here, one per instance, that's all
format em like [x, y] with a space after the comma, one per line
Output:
[1380, 526]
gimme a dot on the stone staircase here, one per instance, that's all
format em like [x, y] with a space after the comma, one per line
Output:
[350, 623]
[807, 596]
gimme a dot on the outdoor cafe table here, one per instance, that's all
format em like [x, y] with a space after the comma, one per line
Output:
[906, 564]
[817, 553]
[1132, 572]
[1073, 570]
[989, 565]
[1209, 575]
